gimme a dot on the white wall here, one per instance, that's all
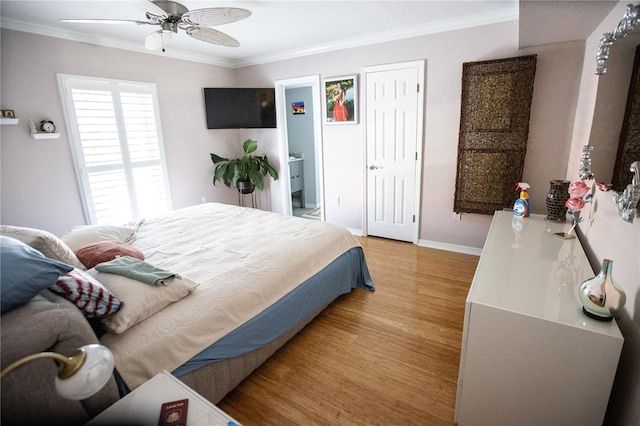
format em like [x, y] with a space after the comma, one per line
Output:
[38, 185]
[606, 235]
[33, 94]
[553, 111]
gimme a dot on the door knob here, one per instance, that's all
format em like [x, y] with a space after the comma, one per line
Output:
[374, 167]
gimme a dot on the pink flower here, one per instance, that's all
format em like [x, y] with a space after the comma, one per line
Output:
[578, 189]
[574, 204]
[603, 186]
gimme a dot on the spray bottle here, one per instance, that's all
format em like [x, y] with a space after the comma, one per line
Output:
[522, 207]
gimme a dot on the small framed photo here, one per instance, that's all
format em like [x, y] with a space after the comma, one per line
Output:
[341, 100]
[8, 113]
[297, 108]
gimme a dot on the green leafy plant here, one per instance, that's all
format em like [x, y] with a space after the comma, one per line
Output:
[248, 168]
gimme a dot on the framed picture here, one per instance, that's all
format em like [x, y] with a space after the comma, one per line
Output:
[341, 100]
[297, 108]
[8, 113]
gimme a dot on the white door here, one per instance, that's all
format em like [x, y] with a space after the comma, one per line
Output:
[393, 114]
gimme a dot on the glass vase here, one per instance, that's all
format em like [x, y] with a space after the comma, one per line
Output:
[600, 296]
[556, 198]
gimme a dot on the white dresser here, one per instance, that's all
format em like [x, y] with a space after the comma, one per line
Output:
[529, 355]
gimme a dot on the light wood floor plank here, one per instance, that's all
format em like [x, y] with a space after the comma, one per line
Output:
[371, 358]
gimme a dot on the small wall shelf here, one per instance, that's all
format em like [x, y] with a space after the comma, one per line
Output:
[45, 135]
[8, 121]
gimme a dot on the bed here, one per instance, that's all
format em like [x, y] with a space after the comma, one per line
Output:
[261, 277]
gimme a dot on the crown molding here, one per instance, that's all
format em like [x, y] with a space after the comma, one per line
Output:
[387, 36]
[28, 27]
[403, 33]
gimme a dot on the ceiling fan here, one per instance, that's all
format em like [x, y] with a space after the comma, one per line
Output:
[171, 16]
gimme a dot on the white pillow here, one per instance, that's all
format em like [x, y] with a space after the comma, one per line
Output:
[45, 242]
[139, 300]
[81, 236]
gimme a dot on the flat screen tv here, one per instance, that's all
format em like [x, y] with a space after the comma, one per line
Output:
[240, 108]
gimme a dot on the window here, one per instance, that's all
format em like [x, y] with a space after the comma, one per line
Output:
[117, 146]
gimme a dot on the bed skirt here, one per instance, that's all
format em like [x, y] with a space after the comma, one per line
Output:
[216, 380]
[219, 373]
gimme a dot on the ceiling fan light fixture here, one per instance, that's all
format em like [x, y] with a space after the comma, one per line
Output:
[171, 15]
[165, 10]
[168, 26]
[157, 40]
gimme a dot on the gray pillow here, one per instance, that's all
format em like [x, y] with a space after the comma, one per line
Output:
[43, 241]
[25, 272]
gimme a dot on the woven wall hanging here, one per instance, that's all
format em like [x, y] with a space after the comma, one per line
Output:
[494, 126]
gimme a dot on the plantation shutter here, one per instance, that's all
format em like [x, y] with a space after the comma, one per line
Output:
[116, 140]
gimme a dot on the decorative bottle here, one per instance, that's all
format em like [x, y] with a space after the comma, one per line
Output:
[600, 296]
[585, 163]
[556, 198]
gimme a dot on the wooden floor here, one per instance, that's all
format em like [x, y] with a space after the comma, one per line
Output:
[371, 358]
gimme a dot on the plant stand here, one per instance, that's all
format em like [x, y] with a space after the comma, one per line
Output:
[248, 200]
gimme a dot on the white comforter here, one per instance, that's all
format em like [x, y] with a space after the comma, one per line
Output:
[244, 260]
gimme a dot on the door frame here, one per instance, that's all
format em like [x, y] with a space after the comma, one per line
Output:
[312, 81]
[419, 64]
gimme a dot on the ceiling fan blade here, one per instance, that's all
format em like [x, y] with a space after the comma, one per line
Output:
[106, 21]
[157, 40]
[212, 36]
[150, 7]
[213, 16]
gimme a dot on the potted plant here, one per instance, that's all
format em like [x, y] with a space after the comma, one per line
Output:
[245, 173]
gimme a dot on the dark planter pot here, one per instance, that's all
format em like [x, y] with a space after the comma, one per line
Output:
[245, 186]
[556, 198]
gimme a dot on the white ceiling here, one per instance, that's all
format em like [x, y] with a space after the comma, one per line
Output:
[285, 29]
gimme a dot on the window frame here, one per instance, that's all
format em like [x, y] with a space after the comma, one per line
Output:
[66, 82]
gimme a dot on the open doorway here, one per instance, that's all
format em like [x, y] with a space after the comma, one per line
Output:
[299, 114]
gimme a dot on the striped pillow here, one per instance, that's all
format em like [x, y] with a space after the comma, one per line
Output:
[84, 291]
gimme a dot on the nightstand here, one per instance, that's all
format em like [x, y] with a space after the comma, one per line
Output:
[142, 406]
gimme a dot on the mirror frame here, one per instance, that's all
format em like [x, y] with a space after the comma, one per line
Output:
[628, 23]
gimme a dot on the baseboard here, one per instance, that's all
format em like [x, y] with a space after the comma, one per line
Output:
[356, 232]
[450, 247]
[434, 245]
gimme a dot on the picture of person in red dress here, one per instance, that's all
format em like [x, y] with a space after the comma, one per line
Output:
[340, 101]
[340, 112]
